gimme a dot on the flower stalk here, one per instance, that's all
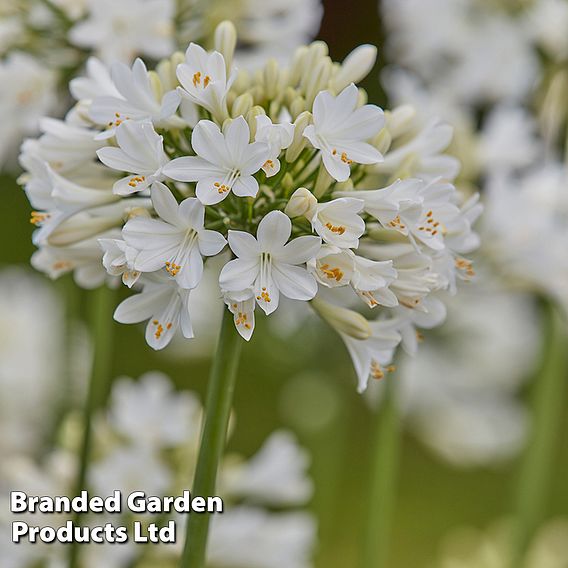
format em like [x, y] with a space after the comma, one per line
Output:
[217, 412]
[101, 334]
[536, 469]
[382, 483]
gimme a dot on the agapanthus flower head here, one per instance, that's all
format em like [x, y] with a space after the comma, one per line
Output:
[287, 174]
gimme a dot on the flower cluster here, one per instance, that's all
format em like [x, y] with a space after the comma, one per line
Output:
[45, 42]
[305, 191]
[148, 441]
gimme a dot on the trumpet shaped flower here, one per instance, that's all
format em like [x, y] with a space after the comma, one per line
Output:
[225, 162]
[141, 152]
[270, 266]
[340, 131]
[177, 241]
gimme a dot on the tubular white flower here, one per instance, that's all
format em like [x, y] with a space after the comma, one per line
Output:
[118, 259]
[225, 162]
[268, 265]
[340, 131]
[177, 241]
[204, 80]
[141, 152]
[242, 308]
[136, 101]
[355, 67]
[164, 304]
[338, 222]
[302, 203]
[277, 136]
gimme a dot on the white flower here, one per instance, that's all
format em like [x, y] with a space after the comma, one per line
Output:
[96, 83]
[278, 137]
[121, 30]
[338, 222]
[269, 265]
[372, 356]
[276, 475]
[164, 304]
[340, 131]
[118, 260]
[252, 537]
[225, 161]
[136, 101]
[204, 80]
[150, 413]
[141, 152]
[242, 308]
[177, 241]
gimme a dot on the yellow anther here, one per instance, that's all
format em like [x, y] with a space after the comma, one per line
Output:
[338, 229]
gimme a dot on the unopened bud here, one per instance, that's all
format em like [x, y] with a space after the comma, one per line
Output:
[343, 320]
[299, 141]
[271, 76]
[323, 182]
[355, 67]
[75, 230]
[226, 42]
[302, 203]
[297, 107]
[383, 140]
[319, 79]
[399, 119]
[242, 105]
[156, 85]
[251, 119]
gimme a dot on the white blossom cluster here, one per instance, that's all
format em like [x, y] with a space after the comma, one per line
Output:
[307, 192]
[45, 42]
[148, 441]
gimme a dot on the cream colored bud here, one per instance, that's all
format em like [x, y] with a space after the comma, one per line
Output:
[399, 119]
[287, 182]
[156, 85]
[297, 65]
[316, 52]
[355, 67]
[177, 58]
[302, 203]
[363, 98]
[226, 42]
[323, 182]
[242, 82]
[271, 78]
[75, 230]
[297, 107]
[299, 141]
[164, 72]
[382, 141]
[242, 105]
[343, 320]
[251, 119]
[319, 80]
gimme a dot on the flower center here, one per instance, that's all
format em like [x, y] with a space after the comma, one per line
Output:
[165, 321]
[337, 229]
[265, 276]
[38, 218]
[119, 119]
[332, 273]
[226, 184]
[344, 157]
[134, 181]
[396, 223]
[175, 264]
[197, 80]
[431, 225]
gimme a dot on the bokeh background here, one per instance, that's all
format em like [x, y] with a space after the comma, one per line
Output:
[298, 375]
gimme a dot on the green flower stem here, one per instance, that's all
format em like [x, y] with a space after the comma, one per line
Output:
[101, 372]
[538, 462]
[218, 408]
[382, 483]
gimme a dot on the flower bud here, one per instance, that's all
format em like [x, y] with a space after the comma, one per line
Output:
[298, 106]
[302, 203]
[318, 80]
[382, 141]
[299, 142]
[75, 230]
[298, 64]
[343, 320]
[271, 78]
[226, 41]
[156, 85]
[323, 182]
[399, 119]
[355, 67]
[251, 119]
[242, 105]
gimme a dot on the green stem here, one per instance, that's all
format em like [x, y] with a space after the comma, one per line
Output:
[538, 462]
[382, 483]
[219, 399]
[101, 372]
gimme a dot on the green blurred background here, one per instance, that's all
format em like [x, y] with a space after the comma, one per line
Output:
[306, 383]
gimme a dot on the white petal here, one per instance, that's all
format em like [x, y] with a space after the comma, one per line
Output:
[211, 242]
[165, 203]
[209, 143]
[337, 169]
[300, 250]
[191, 272]
[208, 193]
[274, 231]
[294, 282]
[192, 213]
[267, 294]
[244, 245]
[190, 168]
[245, 186]
[238, 274]
[141, 306]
